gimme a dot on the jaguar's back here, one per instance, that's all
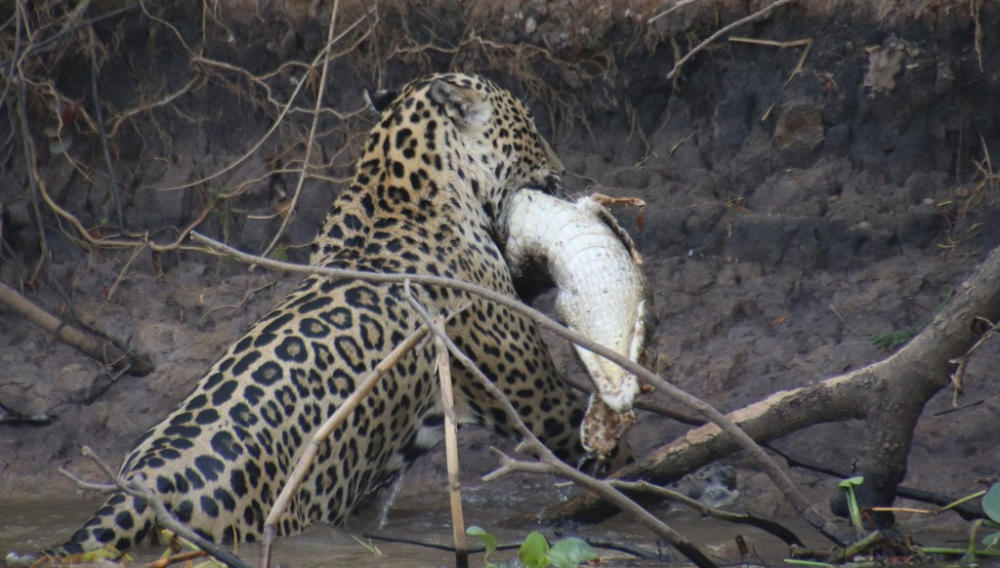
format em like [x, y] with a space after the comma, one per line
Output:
[425, 198]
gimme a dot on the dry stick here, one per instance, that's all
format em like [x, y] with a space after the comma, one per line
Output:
[805, 42]
[775, 472]
[290, 210]
[722, 31]
[549, 462]
[321, 434]
[451, 451]
[122, 273]
[99, 348]
[176, 559]
[963, 361]
[680, 4]
[776, 529]
[163, 516]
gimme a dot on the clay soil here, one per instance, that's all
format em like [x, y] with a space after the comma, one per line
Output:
[799, 218]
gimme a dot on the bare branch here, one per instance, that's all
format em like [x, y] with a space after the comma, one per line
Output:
[723, 31]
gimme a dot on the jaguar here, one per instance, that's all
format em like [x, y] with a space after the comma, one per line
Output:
[426, 197]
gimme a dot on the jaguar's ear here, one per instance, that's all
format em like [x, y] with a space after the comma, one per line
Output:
[381, 99]
[465, 106]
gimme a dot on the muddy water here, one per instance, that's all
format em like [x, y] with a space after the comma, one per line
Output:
[30, 524]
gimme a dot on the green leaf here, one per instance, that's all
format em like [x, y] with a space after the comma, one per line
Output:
[991, 503]
[489, 541]
[851, 482]
[570, 553]
[991, 542]
[533, 549]
[813, 563]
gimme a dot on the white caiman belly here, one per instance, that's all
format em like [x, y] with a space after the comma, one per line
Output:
[602, 293]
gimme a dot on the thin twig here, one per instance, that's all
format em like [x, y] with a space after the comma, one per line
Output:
[310, 141]
[451, 451]
[680, 4]
[119, 119]
[163, 516]
[841, 555]
[776, 529]
[777, 475]
[122, 273]
[549, 462]
[324, 431]
[33, 179]
[238, 305]
[805, 42]
[99, 120]
[185, 557]
[721, 32]
[961, 362]
[47, 43]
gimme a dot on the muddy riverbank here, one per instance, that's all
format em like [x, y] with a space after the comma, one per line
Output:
[817, 183]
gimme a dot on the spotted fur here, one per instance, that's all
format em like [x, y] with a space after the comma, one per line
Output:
[427, 191]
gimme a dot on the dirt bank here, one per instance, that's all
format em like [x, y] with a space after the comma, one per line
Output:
[802, 195]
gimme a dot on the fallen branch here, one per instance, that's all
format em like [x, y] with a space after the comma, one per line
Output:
[102, 349]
